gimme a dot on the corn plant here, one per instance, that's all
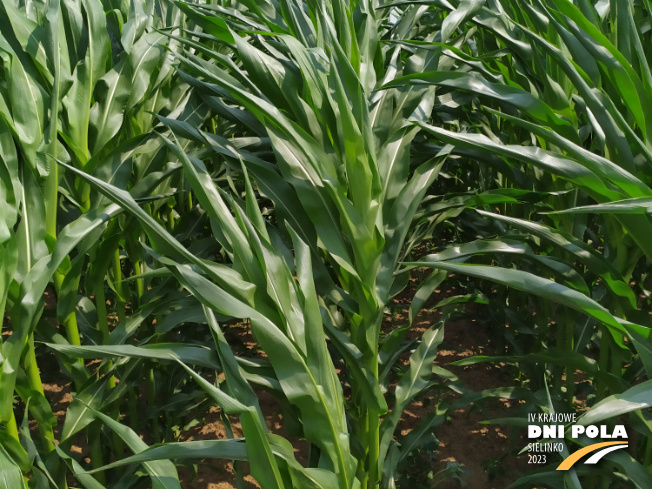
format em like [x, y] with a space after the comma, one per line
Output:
[68, 94]
[332, 156]
[566, 112]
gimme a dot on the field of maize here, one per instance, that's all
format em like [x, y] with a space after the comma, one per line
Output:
[278, 217]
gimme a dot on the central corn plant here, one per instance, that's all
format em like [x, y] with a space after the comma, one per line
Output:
[297, 83]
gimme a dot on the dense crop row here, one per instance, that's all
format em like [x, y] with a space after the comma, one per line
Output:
[171, 170]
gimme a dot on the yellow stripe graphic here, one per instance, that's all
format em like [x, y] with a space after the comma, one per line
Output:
[574, 457]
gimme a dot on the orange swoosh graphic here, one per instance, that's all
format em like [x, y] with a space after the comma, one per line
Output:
[574, 457]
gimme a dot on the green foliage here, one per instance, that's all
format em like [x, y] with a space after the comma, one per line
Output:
[175, 172]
